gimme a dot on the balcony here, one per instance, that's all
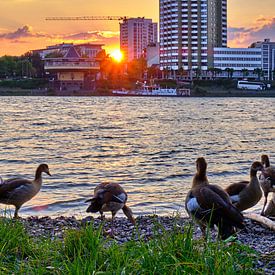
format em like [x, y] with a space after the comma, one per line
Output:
[71, 65]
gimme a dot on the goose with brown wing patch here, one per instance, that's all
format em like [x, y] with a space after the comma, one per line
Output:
[17, 191]
[267, 181]
[110, 197]
[210, 205]
[246, 194]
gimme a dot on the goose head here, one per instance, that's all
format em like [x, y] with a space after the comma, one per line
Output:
[200, 176]
[265, 161]
[201, 165]
[257, 166]
[43, 168]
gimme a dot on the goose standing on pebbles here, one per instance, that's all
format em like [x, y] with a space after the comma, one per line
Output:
[246, 194]
[110, 197]
[17, 191]
[267, 179]
[211, 205]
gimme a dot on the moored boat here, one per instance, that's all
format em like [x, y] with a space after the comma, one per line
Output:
[152, 90]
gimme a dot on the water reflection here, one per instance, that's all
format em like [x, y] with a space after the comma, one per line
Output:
[149, 145]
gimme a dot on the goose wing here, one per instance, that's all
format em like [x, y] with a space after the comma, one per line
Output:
[212, 197]
[236, 188]
[11, 186]
[106, 193]
[269, 172]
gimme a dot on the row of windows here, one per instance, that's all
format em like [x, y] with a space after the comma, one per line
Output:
[238, 52]
[236, 65]
[238, 58]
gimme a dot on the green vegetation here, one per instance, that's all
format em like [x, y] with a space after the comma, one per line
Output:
[24, 83]
[27, 65]
[85, 251]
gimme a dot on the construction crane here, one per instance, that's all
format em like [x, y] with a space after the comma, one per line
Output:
[72, 18]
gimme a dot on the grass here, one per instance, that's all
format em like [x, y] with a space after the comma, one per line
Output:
[85, 251]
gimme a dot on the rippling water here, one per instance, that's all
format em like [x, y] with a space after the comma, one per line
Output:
[149, 145]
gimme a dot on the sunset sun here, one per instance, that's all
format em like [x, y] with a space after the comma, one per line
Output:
[117, 55]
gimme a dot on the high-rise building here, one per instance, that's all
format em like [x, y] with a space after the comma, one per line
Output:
[135, 35]
[189, 31]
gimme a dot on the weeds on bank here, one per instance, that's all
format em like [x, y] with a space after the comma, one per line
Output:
[85, 251]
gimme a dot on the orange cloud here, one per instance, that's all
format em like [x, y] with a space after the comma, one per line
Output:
[261, 29]
[28, 39]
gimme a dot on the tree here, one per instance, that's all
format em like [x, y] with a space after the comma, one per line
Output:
[258, 72]
[136, 68]
[153, 72]
[197, 72]
[214, 72]
[245, 72]
[8, 66]
[36, 63]
[230, 72]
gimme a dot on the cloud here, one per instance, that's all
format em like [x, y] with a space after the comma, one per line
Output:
[25, 31]
[89, 36]
[94, 36]
[261, 29]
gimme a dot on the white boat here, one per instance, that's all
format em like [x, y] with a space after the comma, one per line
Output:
[153, 90]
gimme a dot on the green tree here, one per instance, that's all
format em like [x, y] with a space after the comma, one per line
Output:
[197, 72]
[245, 72]
[36, 63]
[258, 72]
[136, 68]
[8, 66]
[230, 72]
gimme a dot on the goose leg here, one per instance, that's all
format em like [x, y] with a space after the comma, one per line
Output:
[111, 231]
[16, 212]
[101, 215]
[265, 202]
[129, 214]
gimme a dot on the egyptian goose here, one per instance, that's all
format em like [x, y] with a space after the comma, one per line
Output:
[210, 205]
[270, 209]
[17, 191]
[110, 197]
[246, 194]
[267, 179]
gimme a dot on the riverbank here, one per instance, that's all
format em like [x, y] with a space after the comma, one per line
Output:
[162, 245]
[197, 91]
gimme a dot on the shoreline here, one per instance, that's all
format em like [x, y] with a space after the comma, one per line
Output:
[195, 93]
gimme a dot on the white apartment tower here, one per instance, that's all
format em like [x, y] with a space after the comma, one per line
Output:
[189, 31]
[135, 35]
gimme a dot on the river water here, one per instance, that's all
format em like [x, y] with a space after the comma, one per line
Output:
[148, 145]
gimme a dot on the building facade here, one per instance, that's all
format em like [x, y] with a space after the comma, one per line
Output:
[72, 68]
[242, 61]
[189, 31]
[135, 35]
[268, 57]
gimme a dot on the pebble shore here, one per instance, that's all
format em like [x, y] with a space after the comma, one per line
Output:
[256, 236]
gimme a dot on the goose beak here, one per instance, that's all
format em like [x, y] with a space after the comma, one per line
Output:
[48, 173]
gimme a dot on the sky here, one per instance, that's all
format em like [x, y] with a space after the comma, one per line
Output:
[23, 26]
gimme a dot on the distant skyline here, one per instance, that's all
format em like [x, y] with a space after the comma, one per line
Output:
[23, 26]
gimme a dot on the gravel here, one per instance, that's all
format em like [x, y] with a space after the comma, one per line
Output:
[255, 235]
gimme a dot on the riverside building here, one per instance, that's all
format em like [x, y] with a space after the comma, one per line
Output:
[257, 61]
[268, 57]
[189, 31]
[135, 35]
[242, 61]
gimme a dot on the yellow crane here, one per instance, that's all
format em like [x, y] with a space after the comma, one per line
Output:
[84, 18]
